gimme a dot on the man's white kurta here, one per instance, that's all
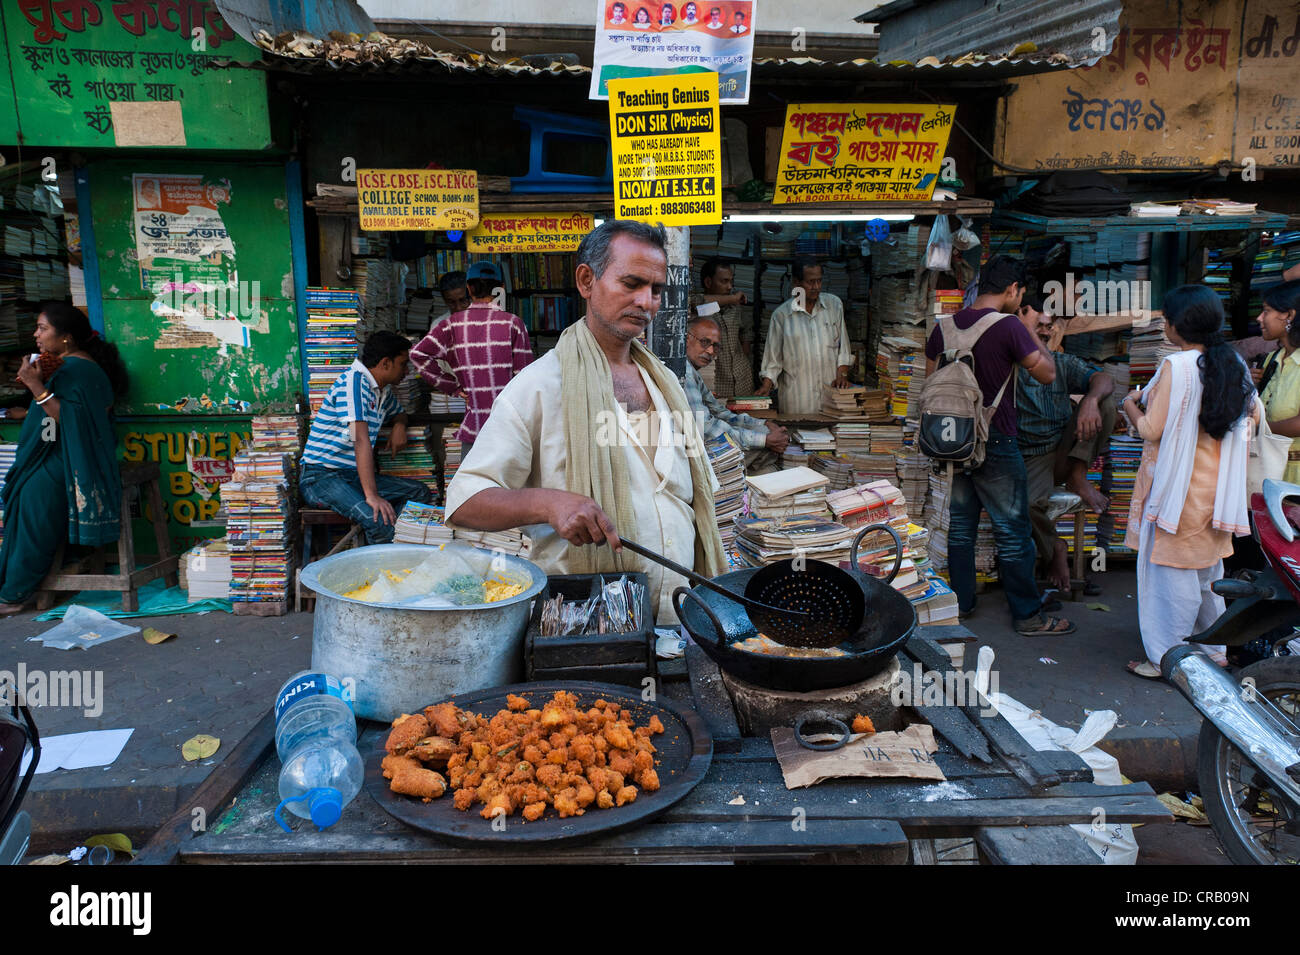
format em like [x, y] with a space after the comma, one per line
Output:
[803, 352]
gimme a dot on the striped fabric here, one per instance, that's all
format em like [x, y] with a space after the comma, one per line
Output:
[715, 418]
[354, 396]
[485, 347]
[804, 352]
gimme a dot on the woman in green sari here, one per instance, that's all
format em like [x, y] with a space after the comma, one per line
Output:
[64, 485]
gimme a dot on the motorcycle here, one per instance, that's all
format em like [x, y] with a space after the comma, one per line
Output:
[18, 737]
[1248, 753]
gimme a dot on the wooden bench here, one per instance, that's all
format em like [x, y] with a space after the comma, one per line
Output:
[313, 517]
[87, 573]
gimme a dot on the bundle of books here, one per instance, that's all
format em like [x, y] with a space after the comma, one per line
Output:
[790, 493]
[278, 433]
[1148, 348]
[842, 402]
[876, 503]
[413, 461]
[913, 477]
[886, 438]
[330, 341]
[445, 404]
[254, 466]
[514, 542]
[795, 456]
[205, 571]
[1218, 207]
[728, 462]
[874, 466]
[7, 454]
[749, 403]
[838, 469]
[947, 301]
[411, 392]
[766, 540]
[937, 606]
[451, 453]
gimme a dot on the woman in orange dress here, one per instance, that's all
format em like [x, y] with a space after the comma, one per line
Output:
[1189, 498]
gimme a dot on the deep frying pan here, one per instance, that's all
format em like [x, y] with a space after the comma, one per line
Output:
[716, 624]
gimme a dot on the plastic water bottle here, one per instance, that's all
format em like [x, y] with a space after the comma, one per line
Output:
[316, 738]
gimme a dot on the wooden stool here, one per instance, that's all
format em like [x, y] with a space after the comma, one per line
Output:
[87, 573]
[1077, 581]
[321, 517]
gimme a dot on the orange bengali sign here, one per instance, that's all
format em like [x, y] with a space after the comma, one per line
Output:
[853, 152]
[417, 200]
[529, 232]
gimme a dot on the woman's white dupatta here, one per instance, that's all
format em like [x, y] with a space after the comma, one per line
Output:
[1177, 455]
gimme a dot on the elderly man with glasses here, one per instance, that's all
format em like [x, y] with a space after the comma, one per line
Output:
[761, 441]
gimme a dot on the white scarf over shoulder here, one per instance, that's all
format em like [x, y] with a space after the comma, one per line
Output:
[1173, 471]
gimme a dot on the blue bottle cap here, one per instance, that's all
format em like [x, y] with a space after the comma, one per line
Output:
[325, 806]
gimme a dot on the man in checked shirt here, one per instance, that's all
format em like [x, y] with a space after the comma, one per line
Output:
[484, 346]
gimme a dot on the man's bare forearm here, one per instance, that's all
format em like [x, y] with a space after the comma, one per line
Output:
[499, 509]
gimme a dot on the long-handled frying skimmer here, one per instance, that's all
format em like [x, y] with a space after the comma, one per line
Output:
[775, 618]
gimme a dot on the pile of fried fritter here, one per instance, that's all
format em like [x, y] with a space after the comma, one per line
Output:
[524, 759]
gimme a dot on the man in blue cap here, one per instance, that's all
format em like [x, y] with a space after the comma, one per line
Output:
[484, 346]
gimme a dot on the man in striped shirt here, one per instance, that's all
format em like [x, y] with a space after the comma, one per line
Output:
[484, 345]
[807, 345]
[761, 441]
[338, 464]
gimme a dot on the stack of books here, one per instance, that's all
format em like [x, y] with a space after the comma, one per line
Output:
[205, 571]
[330, 341]
[876, 503]
[514, 541]
[1154, 210]
[766, 540]
[852, 437]
[842, 402]
[1148, 348]
[813, 440]
[7, 454]
[441, 404]
[947, 301]
[1218, 207]
[426, 524]
[748, 403]
[790, 493]
[278, 433]
[728, 462]
[838, 469]
[795, 456]
[261, 526]
[874, 466]
[451, 453]
[413, 461]
[411, 392]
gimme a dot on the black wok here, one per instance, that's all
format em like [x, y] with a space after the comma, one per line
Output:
[716, 624]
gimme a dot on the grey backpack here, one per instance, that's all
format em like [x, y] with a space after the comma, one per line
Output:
[954, 422]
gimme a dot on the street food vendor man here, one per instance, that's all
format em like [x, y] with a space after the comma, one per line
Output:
[596, 439]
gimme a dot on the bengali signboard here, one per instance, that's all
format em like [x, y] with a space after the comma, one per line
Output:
[417, 200]
[667, 149]
[74, 63]
[641, 39]
[1182, 87]
[855, 152]
[529, 232]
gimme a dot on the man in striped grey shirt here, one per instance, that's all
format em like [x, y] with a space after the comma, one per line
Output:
[807, 345]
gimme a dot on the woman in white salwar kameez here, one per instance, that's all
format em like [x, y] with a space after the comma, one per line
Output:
[1189, 498]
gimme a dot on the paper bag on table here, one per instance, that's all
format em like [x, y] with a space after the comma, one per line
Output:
[872, 755]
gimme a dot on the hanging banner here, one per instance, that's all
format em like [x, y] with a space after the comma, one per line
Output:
[417, 200]
[667, 149]
[529, 232]
[854, 152]
[642, 39]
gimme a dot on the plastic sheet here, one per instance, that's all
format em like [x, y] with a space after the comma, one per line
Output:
[83, 628]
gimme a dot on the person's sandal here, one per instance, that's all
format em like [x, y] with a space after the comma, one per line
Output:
[1044, 626]
[1145, 669]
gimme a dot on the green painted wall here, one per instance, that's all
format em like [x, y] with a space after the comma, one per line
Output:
[70, 61]
[267, 374]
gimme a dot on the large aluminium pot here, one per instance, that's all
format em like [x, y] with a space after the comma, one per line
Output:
[399, 657]
[717, 624]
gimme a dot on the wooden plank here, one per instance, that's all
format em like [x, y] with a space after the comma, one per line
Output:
[954, 726]
[1037, 845]
[712, 701]
[213, 794]
[880, 841]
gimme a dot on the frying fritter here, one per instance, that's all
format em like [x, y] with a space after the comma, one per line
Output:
[434, 749]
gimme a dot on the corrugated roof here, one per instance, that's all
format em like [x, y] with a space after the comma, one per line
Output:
[948, 30]
[381, 54]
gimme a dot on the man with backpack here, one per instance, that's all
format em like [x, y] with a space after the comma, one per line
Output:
[968, 419]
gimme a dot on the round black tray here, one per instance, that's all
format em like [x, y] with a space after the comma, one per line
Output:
[684, 752]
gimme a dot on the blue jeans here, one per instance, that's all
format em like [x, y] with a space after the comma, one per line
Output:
[339, 489]
[999, 486]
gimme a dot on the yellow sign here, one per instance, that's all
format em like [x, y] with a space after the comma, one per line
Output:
[529, 232]
[417, 200]
[667, 149]
[854, 152]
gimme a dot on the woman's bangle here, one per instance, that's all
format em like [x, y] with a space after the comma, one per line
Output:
[44, 398]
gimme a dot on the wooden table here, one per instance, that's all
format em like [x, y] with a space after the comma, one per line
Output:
[1014, 807]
